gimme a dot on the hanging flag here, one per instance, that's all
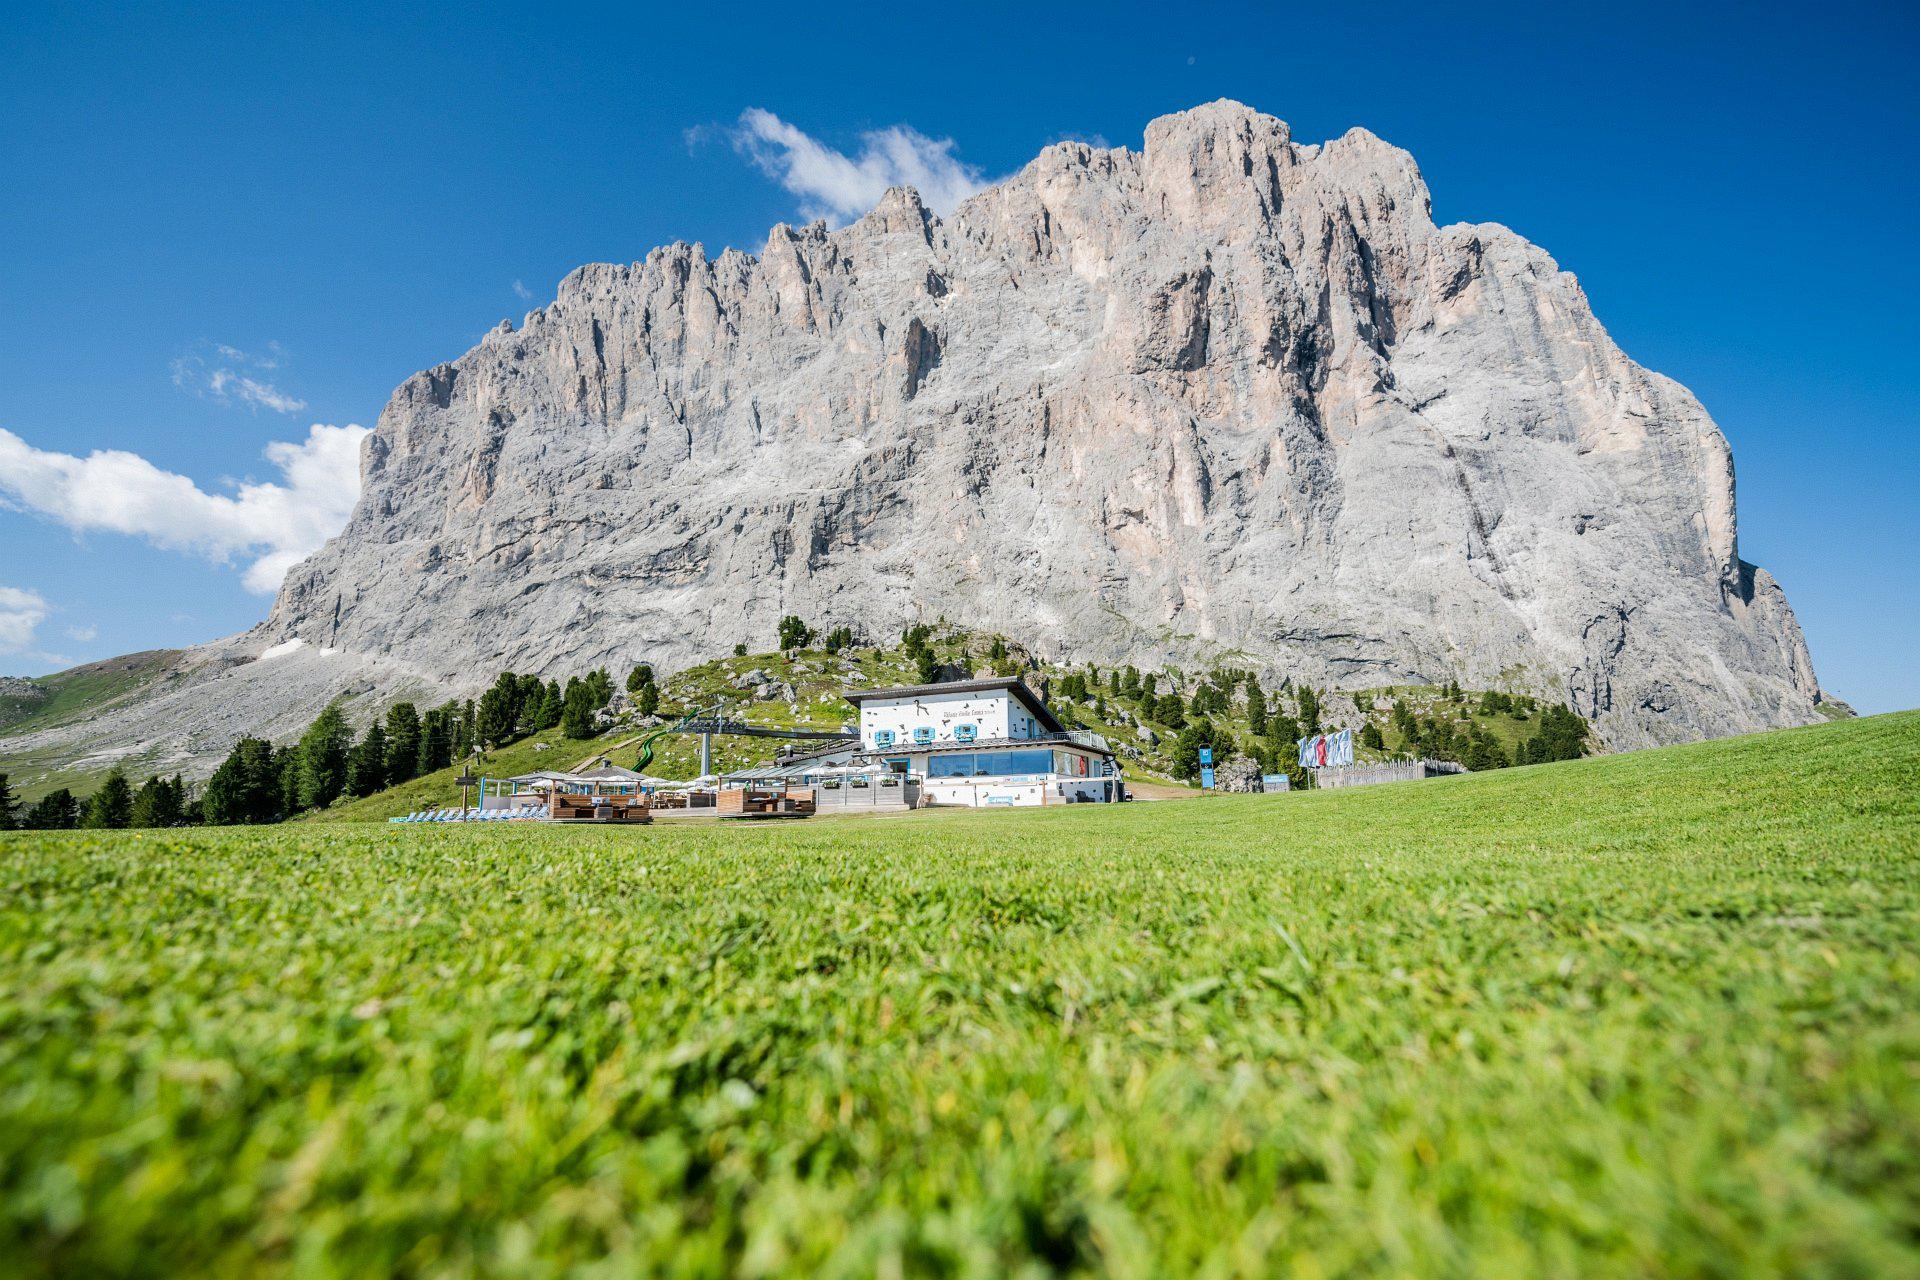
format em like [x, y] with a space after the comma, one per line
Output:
[1340, 748]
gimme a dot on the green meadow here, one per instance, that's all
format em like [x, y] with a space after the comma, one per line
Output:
[1648, 1014]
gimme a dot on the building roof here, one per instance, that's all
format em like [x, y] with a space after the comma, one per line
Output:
[987, 684]
[609, 773]
[600, 773]
[817, 754]
[539, 775]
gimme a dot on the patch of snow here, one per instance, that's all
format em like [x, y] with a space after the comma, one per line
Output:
[282, 649]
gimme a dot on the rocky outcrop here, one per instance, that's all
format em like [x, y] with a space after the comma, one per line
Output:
[1227, 397]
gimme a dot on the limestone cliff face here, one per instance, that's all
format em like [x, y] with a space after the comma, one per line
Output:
[1228, 397]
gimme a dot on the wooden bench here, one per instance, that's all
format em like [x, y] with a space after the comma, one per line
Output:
[566, 806]
[762, 802]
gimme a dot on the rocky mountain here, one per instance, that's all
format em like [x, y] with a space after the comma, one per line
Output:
[1228, 397]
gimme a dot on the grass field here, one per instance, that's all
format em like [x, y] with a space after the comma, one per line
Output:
[1650, 1014]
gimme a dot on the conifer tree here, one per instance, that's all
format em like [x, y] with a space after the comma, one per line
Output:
[462, 731]
[284, 768]
[403, 743]
[323, 759]
[246, 788]
[55, 811]
[498, 712]
[159, 802]
[9, 807]
[576, 716]
[367, 763]
[436, 739]
[528, 691]
[794, 633]
[111, 807]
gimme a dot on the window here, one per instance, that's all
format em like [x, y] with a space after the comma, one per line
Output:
[988, 764]
[959, 764]
[923, 733]
[883, 737]
[966, 732]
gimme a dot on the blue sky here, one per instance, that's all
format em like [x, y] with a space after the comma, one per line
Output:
[222, 225]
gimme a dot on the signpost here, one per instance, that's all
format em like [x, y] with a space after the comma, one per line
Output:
[465, 780]
[1206, 768]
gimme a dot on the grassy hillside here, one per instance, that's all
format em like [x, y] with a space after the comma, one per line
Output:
[40, 702]
[808, 685]
[43, 701]
[1643, 1014]
[815, 679]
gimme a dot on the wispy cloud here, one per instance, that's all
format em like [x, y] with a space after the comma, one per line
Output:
[840, 187]
[228, 375]
[85, 634]
[276, 524]
[521, 292]
[21, 613]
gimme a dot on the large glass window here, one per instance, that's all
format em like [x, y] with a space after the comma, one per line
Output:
[988, 764]
[957, 764]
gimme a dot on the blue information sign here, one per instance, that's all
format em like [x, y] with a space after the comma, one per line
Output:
[1206, 776]
[1206, 755]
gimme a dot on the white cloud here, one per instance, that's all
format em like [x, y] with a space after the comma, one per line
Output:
[838, 187]
[216, 371]
[521, 292]
[85, 634]
[113, 491]
[21, 613]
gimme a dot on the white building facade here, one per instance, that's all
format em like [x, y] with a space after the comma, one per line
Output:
[984, 743]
